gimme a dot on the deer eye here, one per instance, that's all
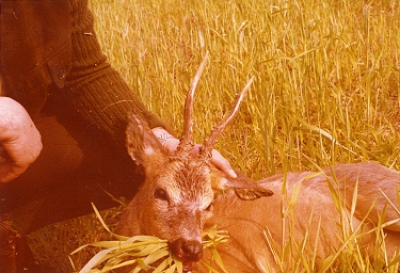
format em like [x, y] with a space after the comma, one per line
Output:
[160, 194]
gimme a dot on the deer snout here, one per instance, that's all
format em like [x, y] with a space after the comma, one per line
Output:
[187, 250]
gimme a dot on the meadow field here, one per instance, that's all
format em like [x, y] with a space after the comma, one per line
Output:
[326, 89]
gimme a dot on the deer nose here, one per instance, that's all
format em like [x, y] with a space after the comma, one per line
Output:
[187, 250]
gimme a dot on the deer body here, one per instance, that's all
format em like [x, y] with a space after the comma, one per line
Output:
[180, 196]
[313, 223]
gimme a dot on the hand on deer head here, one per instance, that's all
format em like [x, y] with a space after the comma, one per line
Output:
[170, 143]
[177, 196]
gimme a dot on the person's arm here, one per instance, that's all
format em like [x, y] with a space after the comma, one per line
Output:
[100, 93]
[20, 141]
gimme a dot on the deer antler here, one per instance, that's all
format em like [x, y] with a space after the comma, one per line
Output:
[206, 149]
[186, 143]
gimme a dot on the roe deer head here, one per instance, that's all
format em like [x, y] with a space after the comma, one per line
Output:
[177, 196]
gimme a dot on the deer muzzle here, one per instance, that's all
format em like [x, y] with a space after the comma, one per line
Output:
[188, 251]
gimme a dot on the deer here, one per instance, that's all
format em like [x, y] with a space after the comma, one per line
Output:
[184, 193]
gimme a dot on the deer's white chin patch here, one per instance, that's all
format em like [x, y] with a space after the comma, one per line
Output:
[187, 267]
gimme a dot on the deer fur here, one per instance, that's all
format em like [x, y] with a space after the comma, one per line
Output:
[314, 219]
[183, 193]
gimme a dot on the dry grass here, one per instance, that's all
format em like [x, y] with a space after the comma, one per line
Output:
[326, 90]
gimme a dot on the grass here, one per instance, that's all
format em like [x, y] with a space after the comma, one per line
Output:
[300, 254]
[326, 90]
[144, 252]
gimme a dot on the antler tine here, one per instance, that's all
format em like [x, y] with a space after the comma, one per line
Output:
[186, 141]
[209, 143]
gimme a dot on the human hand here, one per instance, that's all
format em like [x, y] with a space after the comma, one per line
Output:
[20, 141]
[170, 143]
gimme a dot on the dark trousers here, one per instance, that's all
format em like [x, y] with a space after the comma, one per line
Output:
[77, 166]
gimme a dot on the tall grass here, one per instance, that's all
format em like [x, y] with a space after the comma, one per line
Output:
[327, 75]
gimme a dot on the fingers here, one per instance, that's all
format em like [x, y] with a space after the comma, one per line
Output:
[18, 156]
[170, 143]
[20, 141]
[222, 163]
[218, 160]
[9, 171]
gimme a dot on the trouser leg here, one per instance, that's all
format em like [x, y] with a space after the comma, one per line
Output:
[77, 166]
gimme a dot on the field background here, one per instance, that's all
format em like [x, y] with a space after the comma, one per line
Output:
[326, 90]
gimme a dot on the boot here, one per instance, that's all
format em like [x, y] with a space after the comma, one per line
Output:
[8, 253]
[15, 253]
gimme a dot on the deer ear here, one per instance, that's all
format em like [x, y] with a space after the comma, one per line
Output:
[244, 187]
[143, 146]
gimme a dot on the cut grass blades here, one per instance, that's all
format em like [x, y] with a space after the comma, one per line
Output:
[144, 252]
